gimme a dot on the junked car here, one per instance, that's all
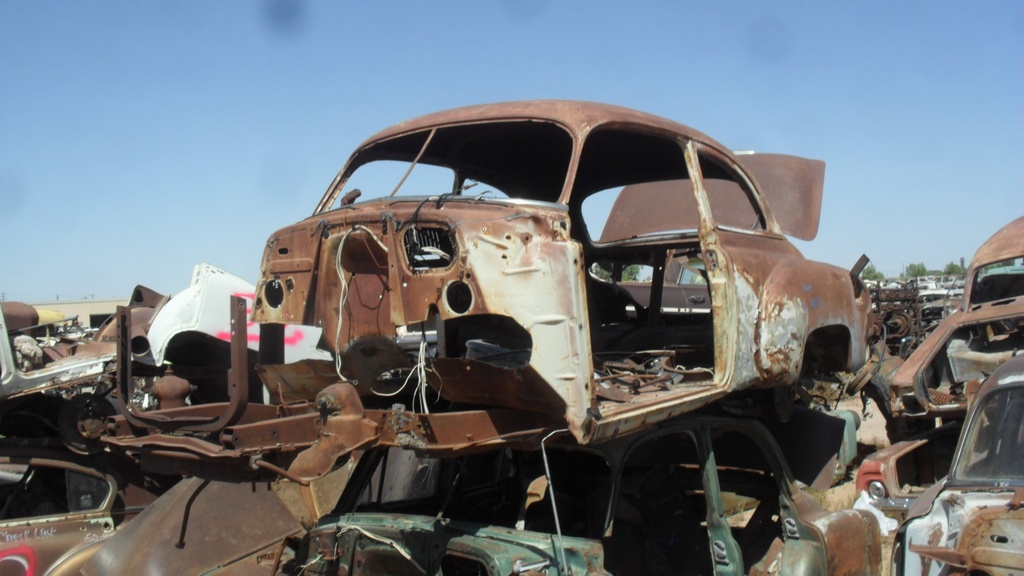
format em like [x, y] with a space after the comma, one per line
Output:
[696, 495]
[478, 238]
[463, 300]
[488, 346]
[57, 506]
[941, 375]
[700, 494]
[37, 359]
[973, 521]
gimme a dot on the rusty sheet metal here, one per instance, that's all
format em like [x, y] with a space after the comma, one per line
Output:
[578, 119]
[349, 427]
[848, 530]
[990, 548]
[1004, 244]
[792, 185]
[306, 444]
[18, 316]
[237, 385]
[794, 188]
[927, 383]
[986, 542]
[198, 526]
[43, 524]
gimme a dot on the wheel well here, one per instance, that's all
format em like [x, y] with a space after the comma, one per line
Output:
[827, 349]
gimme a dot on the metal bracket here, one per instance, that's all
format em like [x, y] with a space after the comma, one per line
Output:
[238, 379]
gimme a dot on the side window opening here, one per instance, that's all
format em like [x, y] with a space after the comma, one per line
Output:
[641, 210]
[750, 498]
[401, 479]
[503, 488]
[85, 492]
[659, 525]
[655, 299]
[618, 185]
[35, 491]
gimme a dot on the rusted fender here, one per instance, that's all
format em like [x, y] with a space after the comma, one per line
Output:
[800, 298]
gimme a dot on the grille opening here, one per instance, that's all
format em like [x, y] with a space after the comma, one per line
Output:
[428, 248]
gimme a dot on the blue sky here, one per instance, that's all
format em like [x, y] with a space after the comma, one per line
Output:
[140, 138]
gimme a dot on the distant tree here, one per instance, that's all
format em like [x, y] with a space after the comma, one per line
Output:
[871, 273]
[953, 269]
[630, 273]
[915, 270]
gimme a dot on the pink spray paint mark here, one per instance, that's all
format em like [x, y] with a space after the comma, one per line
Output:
[23, 556]
[292, 334]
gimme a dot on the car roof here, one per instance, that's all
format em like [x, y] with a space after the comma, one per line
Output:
[793, 185]
[1007, 243]
[578, 117]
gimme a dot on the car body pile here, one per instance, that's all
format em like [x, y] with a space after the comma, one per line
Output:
[551, 331]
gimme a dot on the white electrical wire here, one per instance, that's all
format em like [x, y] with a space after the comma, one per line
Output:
[310, 563]
[342, 297]
[343, 293]
[420, 371]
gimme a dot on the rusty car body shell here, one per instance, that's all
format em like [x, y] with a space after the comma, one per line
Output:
[939, 377]
[46, 530]
[973, 521]
[516, 269]
[496, 518]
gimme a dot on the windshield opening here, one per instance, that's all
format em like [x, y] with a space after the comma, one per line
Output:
[513, 159]
[992, 448]
[998, 281]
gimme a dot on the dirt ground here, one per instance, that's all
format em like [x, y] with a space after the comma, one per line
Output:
[870, 437]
